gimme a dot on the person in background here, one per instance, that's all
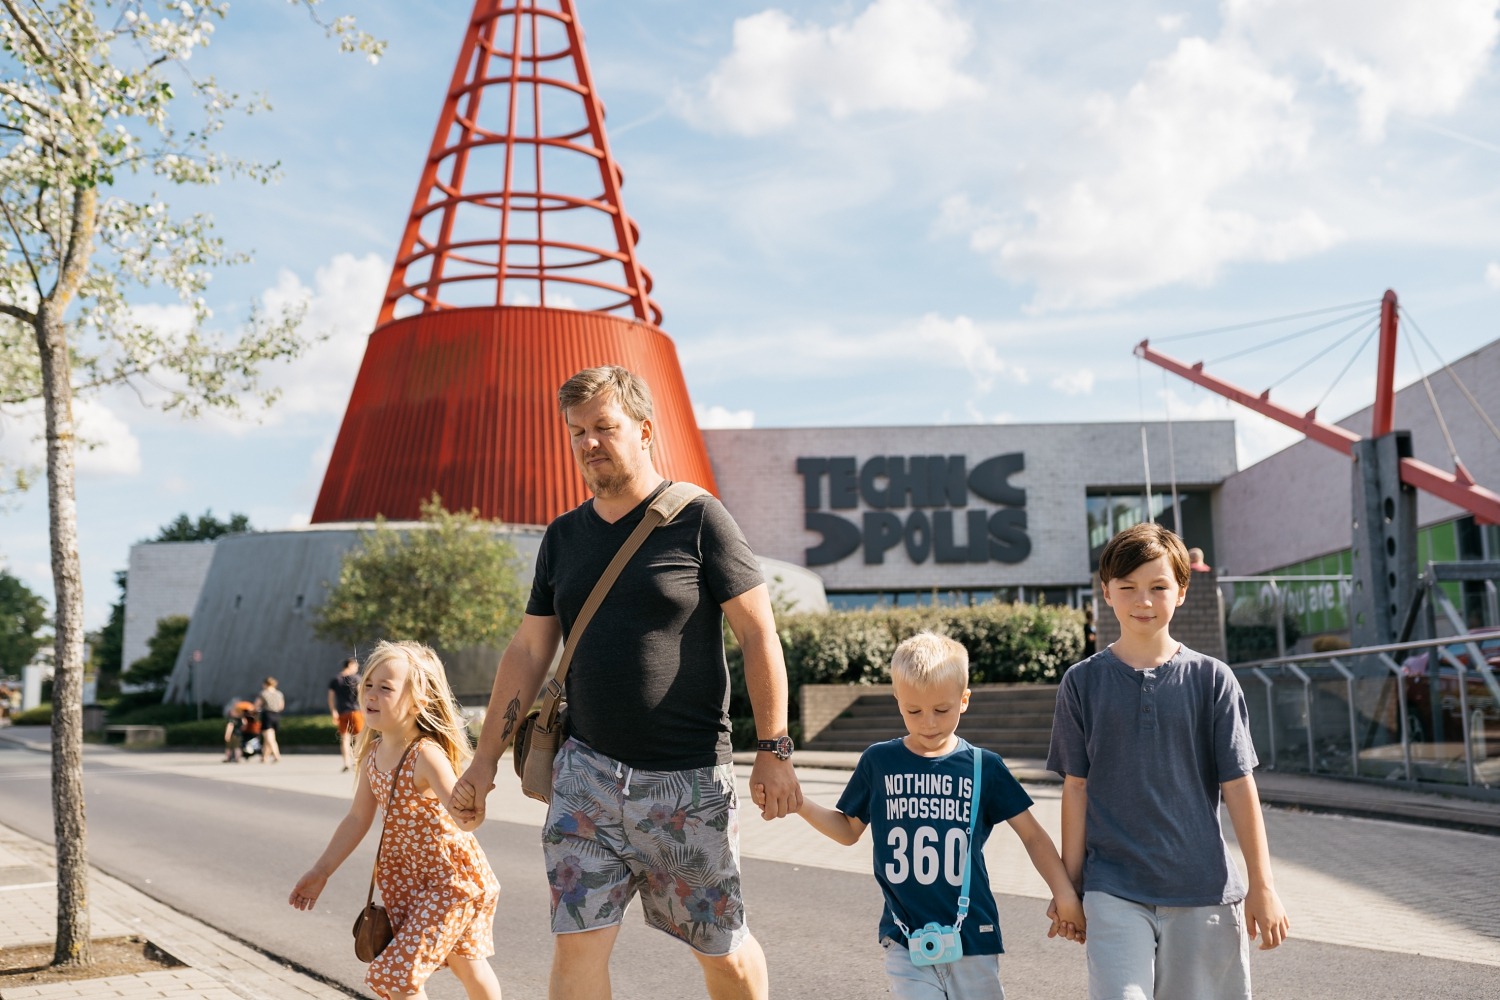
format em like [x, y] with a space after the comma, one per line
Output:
[271, 703]
[1196, 563]
[343, 705]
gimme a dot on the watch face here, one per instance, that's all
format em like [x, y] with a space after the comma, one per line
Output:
[783, 750]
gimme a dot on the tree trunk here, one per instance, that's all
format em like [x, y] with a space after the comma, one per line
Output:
[68, 820]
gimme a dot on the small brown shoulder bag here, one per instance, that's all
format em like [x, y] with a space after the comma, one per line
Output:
[541, 733]
[372, 928]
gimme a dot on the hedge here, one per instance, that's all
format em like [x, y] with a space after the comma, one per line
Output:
[41, 715]
[294, 731]
[1007, 643]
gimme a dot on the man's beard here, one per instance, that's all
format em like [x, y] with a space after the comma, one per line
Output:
[606, 484]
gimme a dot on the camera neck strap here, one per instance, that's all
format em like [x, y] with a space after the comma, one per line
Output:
[963, 892]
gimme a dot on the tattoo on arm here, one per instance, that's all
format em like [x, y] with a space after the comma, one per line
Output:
[512, 713]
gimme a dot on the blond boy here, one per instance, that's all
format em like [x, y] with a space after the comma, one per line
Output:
[917, 793]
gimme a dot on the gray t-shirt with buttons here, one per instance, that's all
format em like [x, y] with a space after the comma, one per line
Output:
[1154, 746]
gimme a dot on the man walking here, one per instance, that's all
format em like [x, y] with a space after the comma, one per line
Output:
[645, 776]
[343, 705]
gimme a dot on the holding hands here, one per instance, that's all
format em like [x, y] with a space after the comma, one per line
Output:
[1067, 920]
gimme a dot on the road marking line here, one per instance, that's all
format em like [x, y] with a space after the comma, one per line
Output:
[30, 885]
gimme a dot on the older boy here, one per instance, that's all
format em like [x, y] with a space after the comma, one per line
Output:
[1148, 736]
[917, 792]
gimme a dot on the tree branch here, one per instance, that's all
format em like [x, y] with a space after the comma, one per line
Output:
[30, 31]
[20, 314]
[36, 279]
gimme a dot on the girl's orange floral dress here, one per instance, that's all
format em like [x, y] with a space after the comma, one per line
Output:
[435, 883]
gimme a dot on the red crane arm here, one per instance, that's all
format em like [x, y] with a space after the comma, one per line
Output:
[1457, 488]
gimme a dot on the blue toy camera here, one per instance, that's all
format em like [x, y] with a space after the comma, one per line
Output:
[935, 944]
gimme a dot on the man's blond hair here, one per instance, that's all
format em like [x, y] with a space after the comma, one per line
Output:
[627, 388]
[927, 659]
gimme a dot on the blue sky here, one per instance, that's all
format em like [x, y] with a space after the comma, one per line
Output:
[871, 212]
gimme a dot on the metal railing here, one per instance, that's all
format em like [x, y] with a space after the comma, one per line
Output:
[1424, 712]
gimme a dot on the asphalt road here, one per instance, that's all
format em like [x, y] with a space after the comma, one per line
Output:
[227, 854]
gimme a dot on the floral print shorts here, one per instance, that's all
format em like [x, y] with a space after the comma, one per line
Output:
[671, 837]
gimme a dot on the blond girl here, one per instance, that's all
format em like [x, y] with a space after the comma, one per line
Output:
[433, 877]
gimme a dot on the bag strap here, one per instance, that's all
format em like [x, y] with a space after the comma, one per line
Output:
[974, 806]
[385, 815]
[667, 505]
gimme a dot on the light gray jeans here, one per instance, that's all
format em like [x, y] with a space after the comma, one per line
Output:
[973, 977]
[1142, 952]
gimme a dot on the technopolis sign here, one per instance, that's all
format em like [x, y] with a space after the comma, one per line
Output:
[933, 491]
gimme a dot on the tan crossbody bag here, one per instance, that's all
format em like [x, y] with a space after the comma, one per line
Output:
[541, 733]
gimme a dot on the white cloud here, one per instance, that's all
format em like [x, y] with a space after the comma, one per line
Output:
[895, 55]
[1232, 148]
[343, 303]
[1199, 122]
[106, 446]
[932, 342]
[719, 417]
[1398, 57]
[1074, 383]
[1171, 23]
[1492, 274]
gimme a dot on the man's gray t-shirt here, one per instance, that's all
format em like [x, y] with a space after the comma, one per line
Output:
[648, 684]
[1154, 746]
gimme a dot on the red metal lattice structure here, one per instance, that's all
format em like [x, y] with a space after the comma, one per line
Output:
[517, 267]
[1457, 487]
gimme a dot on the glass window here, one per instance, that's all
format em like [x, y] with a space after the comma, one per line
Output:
[1110, 513]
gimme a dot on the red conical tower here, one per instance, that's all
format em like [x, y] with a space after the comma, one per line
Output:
[517, 268]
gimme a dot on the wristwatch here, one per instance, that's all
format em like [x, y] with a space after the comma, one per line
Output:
[781, 746]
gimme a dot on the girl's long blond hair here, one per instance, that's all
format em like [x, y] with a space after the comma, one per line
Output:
[427, 685]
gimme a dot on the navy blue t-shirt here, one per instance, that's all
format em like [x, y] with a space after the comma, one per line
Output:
[917, 809]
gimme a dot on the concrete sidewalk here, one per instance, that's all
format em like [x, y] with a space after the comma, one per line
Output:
[215, 966]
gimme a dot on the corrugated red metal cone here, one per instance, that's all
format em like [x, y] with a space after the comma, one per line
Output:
[517, 269]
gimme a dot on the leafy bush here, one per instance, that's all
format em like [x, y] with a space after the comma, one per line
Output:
[157, 714]
[307, 731]
[1007, 643]
[208, 733]
[39, 716]
[294, 731]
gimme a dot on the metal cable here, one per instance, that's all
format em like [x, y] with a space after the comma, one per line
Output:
[1352, 333]
[1374, 329]
[1436, 410]
[1265, 322]
[1453, 375]
[1362, 317]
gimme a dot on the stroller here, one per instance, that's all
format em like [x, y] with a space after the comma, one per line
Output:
[244, 739]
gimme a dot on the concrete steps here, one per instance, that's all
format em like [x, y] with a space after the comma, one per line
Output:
[1012, 720]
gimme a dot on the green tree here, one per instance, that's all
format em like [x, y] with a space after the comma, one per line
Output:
[452, 583]
[22, 615]
[89, 124]
[152, 670]
[205, 529]
[107, 645]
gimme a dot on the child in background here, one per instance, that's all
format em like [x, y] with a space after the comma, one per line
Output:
[917, 794]
[434, 880]
[1149, 736]
[241, 732]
